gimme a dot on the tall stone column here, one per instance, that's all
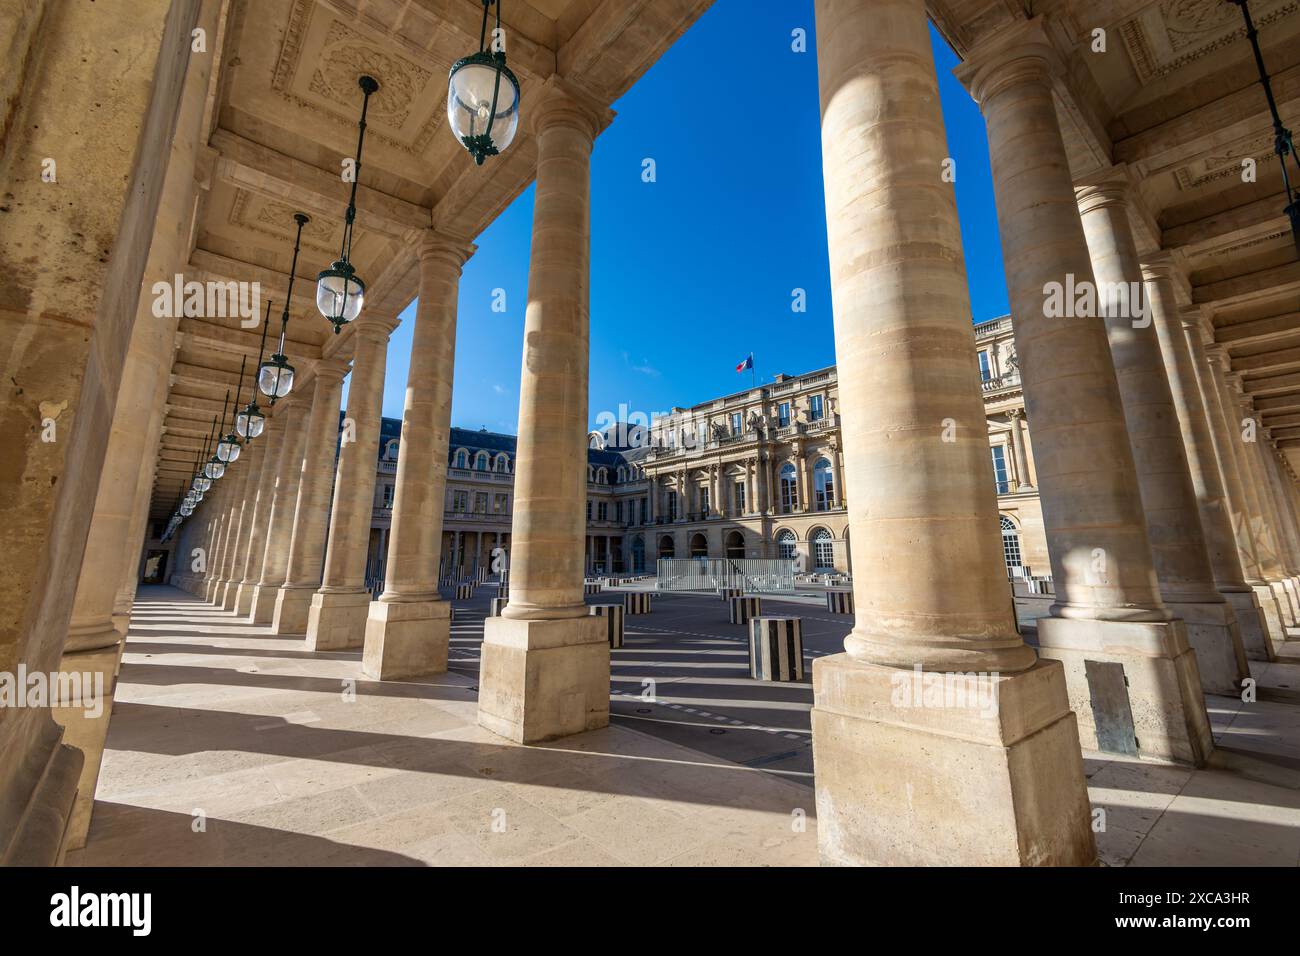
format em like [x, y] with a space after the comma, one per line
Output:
[966, 788]
[307, 544]
[1289, 542]
[1108, 607]
[1202, 464]
[338, 610]
[1014, 417]
[1169, 501]
[215, 558]
[1266, 521]
[1223, 420]
[272, 441]
[408, 628]
[545, 660]
[1276, 520]
[247, 471]
[295, 413]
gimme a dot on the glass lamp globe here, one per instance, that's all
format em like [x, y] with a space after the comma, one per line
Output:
[250, 422]
[202, 484]
[275, 377]
[187, 509]
[214, 469]
[340, 294]
[470, 90]
[228, 449]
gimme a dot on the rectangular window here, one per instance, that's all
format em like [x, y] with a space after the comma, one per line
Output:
[480, 502]
[618, 512]
[986, 367]
[499, 504]
[672, 506]
[783, 414]
[815, 412]
[704, 502]
[460, 501]
[1000, 469]
[589, 510]
[704, 434]
[740, 497]
[737, 423]
[645, 510]
[602, 511]
[388, 496]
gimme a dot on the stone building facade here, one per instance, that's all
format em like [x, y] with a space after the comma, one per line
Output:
[753, 474]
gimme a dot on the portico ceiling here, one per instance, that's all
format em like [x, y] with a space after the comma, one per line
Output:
[284, 116]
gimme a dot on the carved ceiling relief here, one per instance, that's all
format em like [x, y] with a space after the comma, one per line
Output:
[1166, 36]
[274, 219]
[405, 114]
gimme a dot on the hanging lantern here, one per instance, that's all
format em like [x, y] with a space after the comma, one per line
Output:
[228, 447]
[340, 293]
[275, 376]
[483, 96]
[214, 467]
[187, 509]
[250, 421]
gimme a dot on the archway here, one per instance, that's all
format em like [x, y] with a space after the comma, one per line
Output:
[785, 545]
[666, 547]
[638, 555]
[1011, 545]
[735, 545]
[699, 546]
[823, 551]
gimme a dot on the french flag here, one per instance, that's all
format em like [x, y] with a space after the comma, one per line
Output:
[747, 364]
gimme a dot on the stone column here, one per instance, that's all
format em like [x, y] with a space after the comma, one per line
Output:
[245, 474]
[1015, 417]
[545, 660]
[1169, 501]
[751, 486]
[408, 628]
[1203, 467]
[1108, 607]
[1223, 419]
[968, 788]
[1266, 523]
[1286, 529]
[216, 557]
[339, 609]
[294, 413]
[307, 545]
[272, 441]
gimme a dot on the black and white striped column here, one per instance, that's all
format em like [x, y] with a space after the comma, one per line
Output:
[726, 594]
[839, 602]
[745, 608]
[776, 648]
[591, 587]
[464, 592]
[498, 605]
[613, 615]
[638, 602]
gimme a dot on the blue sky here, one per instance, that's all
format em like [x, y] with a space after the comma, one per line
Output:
[692, 272]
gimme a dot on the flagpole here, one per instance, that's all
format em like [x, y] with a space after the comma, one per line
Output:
[753, 372]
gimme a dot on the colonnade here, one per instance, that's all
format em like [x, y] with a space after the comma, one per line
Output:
[1170, 518]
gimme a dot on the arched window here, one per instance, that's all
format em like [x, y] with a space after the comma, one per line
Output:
[621, 474]
[785, 545]
[1010, 544]
[824, 485]
[481, 461]
[735, 545]
[390, 450]
[666, 549]
[462, 458]
[789, 489]
[823, 550]
[638, 554]
[699, 546]
[602, 476]
[502, 464]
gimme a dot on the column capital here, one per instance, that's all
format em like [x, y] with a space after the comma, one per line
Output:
[1162, 264]
[1193, 318]
[1023, 53]
[332, 370]
[376, 324]
[564, 103]
[1015, 414]
[1111, 187]
[440, 247]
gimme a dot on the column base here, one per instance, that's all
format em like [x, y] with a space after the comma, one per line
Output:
[1272, 617]
[37, 795]
[1293, 599]
[1253, 624]
[262, 608]
[539, 680]
[905, 779]
[406, 639]
[292, 608]
[1215, 636]
[1163, 686]
[1283, 603]
[85, 726]
[244, 599]
[229, 591]
[337, 620]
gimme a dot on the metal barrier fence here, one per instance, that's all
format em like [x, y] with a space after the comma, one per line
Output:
[751, 575]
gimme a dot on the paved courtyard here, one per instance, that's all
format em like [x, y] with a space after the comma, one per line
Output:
[229, 745]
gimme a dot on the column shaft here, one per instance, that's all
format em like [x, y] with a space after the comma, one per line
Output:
[284, 501]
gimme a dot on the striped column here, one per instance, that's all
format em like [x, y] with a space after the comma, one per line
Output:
[775, 648]
[743, 609]
[613, 615]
